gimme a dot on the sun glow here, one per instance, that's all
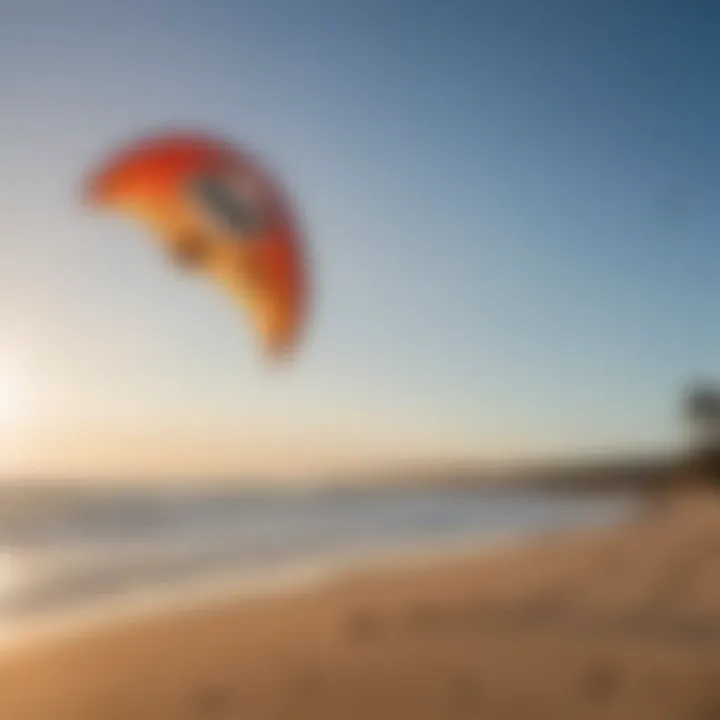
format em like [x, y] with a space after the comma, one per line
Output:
[14, 399]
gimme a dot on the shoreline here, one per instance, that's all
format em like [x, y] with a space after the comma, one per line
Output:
[614, 622]
[300, 577]
[111, 614]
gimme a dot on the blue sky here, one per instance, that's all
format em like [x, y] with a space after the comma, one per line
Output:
[512, 208]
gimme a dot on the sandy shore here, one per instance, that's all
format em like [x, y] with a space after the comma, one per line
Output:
[621, 623]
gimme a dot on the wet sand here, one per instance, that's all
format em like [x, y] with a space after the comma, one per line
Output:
[619, 623]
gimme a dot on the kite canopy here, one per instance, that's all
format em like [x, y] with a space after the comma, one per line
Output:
[216, 211]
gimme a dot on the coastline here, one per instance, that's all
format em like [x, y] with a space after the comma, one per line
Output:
[112, 613]
[613, 622]
[320, 644]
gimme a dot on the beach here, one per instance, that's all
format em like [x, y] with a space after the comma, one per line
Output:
[620, 622]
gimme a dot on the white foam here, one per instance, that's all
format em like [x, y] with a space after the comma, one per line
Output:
[112, 612]
[293, 575]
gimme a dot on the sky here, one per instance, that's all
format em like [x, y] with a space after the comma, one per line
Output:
[511, 206]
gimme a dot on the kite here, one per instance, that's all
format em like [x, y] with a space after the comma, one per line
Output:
[217, 212]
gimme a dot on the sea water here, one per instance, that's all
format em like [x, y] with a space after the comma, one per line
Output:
[67, 550]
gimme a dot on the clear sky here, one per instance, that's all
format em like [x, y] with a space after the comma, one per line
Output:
[512, 206]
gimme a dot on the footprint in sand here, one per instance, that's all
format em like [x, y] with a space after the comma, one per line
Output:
[426, 616]
[464, 694]
[214, 702]
[363, 625]
[601, 681]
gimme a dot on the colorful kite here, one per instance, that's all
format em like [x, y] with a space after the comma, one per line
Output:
[216, 211]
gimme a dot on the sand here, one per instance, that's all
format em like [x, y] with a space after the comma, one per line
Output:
[618, 623]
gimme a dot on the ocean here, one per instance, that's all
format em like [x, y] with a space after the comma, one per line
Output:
[70, 550]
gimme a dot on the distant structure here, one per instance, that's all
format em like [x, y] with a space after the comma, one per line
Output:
[702, 413]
